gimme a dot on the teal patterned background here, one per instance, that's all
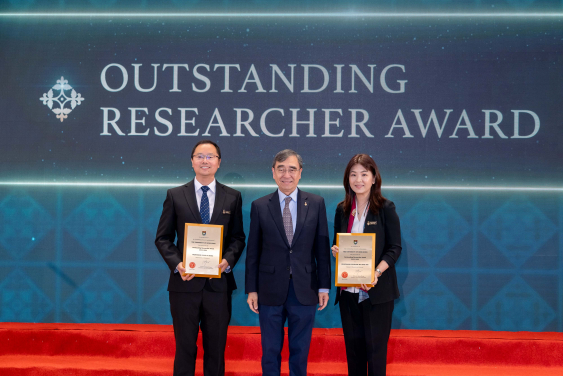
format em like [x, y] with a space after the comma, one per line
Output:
[477, 260]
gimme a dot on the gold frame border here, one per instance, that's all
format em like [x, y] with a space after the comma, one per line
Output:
[338, 235]
[220, 248]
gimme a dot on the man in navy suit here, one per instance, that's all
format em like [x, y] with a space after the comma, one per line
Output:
[287, 265]
[197, 302]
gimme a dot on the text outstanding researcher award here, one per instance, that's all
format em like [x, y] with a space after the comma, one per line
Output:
[355, 260]
[203, 250]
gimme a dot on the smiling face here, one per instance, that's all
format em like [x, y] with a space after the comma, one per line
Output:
[205, 169]
[287, 174]
[361, 179]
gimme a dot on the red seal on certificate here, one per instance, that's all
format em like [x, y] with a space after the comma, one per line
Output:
[192, 265]
[344, 275]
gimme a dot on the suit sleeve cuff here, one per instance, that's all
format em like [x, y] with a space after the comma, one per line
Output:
[389, 260]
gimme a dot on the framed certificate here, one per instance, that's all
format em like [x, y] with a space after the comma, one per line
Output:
[355, 260]
[203, 249]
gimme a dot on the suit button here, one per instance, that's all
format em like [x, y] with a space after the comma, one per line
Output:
[287, 268]
[291, 251]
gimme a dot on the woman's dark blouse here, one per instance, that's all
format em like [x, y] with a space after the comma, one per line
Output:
[387, 229]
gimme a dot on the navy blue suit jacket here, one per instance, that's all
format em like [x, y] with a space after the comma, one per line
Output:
[269, 255]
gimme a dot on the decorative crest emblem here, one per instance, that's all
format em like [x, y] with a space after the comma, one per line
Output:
[203, 233]
[49, 98]
[355, 242]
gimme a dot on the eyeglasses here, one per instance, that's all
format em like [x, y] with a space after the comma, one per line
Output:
[283, 171]
[201, 157]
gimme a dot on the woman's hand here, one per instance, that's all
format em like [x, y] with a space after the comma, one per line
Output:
[334, 250]
[369, 286]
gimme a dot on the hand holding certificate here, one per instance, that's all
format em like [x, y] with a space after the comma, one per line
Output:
[203, 250]
[355, 260]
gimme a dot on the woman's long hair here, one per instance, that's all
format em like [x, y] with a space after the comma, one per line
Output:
[376, 199]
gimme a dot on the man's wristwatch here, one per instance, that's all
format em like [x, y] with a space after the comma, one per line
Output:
[379, 271]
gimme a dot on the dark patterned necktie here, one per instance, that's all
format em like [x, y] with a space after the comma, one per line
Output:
[204, 206]
[287, 221]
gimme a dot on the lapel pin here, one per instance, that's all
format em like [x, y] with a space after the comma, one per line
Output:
[305, 203]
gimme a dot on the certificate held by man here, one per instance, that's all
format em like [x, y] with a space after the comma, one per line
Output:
[203, 249]
[355, 260]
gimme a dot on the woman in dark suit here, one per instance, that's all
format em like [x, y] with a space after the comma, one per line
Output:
[366, 313]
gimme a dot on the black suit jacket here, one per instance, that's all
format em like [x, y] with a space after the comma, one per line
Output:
[387, 228]
[179, 208]
[269, 255]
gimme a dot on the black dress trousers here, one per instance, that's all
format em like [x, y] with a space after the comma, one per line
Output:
[214, 311]
[366, 328]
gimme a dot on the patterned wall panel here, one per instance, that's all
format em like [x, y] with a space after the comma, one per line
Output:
[33, 222]
[99, 224]
[22, 300]
[471, 260]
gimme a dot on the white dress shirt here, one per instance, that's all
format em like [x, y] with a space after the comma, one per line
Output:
[358, 228]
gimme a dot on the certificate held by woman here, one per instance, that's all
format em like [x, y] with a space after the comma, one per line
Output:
[355, 261]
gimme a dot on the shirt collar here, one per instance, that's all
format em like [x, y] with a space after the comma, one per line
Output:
[211, 185]
[282, 195]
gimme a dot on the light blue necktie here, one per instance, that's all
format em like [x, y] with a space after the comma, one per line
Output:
[204, 206]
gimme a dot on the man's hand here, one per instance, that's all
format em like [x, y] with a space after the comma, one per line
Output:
[223, 265]
[323, 300]
[253, 301]
[334, 250]
[185, 276]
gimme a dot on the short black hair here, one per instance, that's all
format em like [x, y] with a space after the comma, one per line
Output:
[202, 142]
[284, 154]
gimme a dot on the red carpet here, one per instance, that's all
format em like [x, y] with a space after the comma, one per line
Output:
[113, 349]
